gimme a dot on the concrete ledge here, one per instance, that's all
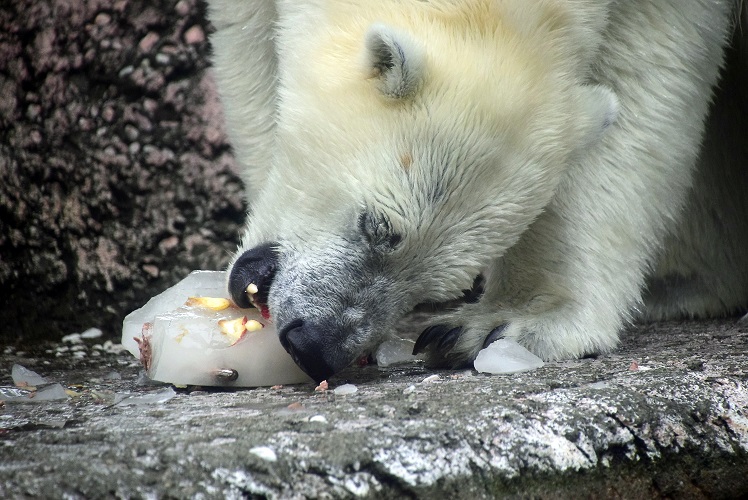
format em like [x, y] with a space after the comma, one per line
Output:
[677, 426]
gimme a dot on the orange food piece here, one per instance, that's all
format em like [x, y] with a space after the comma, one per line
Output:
[253, 325]
[212, 303]
[236, 329]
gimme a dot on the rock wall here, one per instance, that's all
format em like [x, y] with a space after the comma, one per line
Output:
[117, 178]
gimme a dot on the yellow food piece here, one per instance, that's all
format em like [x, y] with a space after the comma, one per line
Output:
[252, 289]
[213, 303]
[181, 335]
[234, 329]
[253, 325]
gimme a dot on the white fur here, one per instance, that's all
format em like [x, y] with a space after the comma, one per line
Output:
[245, 65]
[566, 132]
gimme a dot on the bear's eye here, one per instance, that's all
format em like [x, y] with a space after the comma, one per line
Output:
[377, 231]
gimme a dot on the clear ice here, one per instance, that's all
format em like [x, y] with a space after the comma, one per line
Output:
[395, 351]
[51, 392]
[506, 356]
[13, 394]
[188, 348]
[22, 376]
[345, 390]
[158, 397]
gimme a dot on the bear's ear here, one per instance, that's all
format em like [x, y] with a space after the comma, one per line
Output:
[600, 105]
[394, 59]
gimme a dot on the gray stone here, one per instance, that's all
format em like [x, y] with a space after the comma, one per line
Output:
[664, 416]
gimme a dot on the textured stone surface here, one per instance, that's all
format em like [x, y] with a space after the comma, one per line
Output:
[117, 179]
[665, 416]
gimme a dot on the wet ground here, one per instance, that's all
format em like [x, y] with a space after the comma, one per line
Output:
[665, 415]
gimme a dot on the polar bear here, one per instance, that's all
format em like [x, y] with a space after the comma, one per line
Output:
[465, 170]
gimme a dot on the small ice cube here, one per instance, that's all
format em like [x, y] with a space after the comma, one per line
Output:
[157, 397]
[264, 452]
[13, 394]
[395, 351]
[22, 376]
[506, 356]
[50, 393]
[92, 333]
[345, 389]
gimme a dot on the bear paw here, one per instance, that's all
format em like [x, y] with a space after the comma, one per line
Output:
[449, 346]
[555, 334]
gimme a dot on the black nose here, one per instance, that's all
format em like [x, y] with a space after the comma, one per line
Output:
[256, 266]
[313, 348]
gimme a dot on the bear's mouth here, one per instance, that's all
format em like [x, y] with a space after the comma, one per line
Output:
[469, 296]
[253, 296]
[252, 275]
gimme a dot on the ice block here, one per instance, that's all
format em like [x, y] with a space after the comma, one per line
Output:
[186, 342]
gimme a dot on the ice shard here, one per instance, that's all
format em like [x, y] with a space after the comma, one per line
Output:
[506, 356]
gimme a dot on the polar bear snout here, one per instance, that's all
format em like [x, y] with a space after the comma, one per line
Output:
[309, 346]
[252, 274]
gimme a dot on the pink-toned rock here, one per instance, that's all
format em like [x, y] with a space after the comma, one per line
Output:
[183, 8]
[103, 19]
[168, 244]
[148, 41]
[151, 270]
[108, 114]
[99, 213]
[194, 35]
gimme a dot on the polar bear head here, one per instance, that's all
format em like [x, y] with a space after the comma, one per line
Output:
[415, 142]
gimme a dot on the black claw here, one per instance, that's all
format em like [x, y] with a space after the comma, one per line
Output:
[448, 341]
[495, 334]
[429, 335]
